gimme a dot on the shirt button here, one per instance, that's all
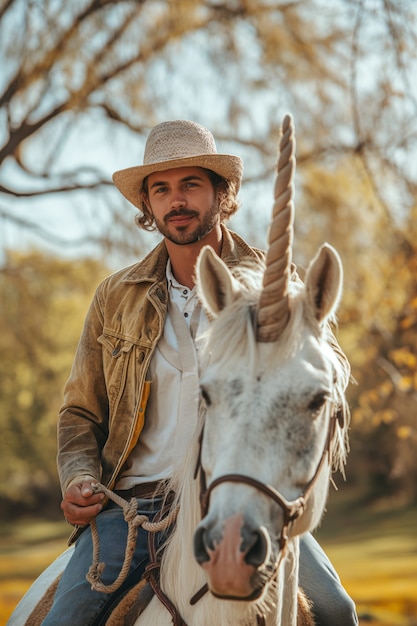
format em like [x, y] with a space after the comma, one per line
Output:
[185, 292]
[185, 314]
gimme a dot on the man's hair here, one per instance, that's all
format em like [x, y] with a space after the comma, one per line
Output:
[225, 191]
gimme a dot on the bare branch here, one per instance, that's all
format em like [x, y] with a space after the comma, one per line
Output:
[58, 189]
[25, 130]
[396, 38]
[45, 234]
[5, 5]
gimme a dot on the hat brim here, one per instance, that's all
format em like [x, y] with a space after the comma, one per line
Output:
[129, 181]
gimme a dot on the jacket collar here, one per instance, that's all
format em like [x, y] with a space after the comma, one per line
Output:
[153, 267]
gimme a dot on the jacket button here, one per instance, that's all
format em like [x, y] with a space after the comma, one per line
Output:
[115, 351]
[141, 357]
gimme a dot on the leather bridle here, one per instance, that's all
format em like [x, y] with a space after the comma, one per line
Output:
[292, 509]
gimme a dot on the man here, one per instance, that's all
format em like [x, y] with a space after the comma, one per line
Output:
[126, 362]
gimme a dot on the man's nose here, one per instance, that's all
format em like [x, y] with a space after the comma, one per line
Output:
[178, 199]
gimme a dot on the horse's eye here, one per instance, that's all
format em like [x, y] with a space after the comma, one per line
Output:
[317, 403]
[205, 395]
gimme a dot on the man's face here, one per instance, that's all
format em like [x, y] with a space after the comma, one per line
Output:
[183, 203]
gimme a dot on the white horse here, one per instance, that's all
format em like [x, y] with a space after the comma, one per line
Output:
[273, 426]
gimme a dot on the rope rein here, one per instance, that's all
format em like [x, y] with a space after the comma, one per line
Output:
[133, 521]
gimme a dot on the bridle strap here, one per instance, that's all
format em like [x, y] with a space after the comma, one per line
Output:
[152, 572]
[292, 509]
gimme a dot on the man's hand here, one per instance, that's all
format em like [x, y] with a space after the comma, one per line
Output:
[80, 504]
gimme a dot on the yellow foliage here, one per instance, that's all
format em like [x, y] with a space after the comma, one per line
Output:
[387, 416]
[404, 432]
[24, 398]
[386, 388]
[369, 398]
[40, 296]
[405, 383]
[360, 415]
[408, 322]
[404, 356]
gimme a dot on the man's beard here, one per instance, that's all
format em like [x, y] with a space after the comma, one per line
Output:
[185, 237]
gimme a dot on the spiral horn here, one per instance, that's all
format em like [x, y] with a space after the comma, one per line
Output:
[273, 306]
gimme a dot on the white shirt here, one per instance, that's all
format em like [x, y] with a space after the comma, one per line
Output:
[172, 409]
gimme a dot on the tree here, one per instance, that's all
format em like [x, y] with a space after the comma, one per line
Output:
[44, 300]
[80, 74]
[84, 81]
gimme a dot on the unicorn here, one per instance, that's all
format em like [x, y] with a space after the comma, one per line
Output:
[273, 426]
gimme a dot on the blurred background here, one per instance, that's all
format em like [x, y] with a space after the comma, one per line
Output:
[81, 84]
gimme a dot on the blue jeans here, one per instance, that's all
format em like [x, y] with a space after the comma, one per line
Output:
[331, 604]
[76, 604]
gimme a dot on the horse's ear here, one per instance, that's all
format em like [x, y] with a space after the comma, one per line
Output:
[323, 282]
[215, 284]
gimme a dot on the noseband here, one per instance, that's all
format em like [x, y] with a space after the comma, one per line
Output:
[292, 509]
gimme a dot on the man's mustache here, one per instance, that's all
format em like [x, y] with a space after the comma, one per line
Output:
[179, 212]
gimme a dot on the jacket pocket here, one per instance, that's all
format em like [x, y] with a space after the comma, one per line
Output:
[117, 353]
[116, 346]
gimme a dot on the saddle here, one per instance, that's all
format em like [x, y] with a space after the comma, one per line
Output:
[134, 602]
[127, 610]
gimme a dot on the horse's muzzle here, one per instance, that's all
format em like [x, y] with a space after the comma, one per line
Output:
[232, 561]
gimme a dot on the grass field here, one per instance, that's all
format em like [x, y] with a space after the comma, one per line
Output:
[374, 552]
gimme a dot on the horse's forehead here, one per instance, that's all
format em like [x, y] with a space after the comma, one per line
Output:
[308, 362]
[313, 355]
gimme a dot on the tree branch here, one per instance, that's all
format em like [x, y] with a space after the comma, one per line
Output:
[6, 4]
[59, 189]
[41, 232]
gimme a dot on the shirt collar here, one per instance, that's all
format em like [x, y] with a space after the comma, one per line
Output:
[174, 284]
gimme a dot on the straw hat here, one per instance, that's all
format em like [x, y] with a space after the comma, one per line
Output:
[172, 144]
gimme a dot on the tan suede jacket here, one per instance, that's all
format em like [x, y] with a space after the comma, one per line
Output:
[106, 394]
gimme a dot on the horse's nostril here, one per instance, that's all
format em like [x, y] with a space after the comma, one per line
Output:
[200, 550]
[257, 549]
